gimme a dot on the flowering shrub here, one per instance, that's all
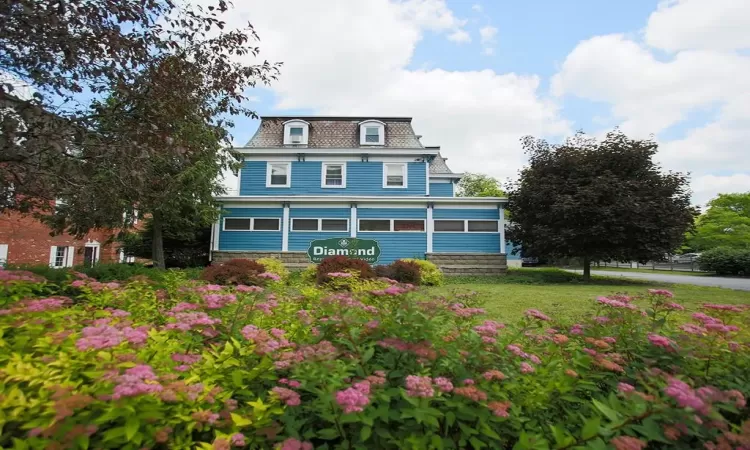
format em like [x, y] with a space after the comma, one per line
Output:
[339, 264]
[209, 366]
[275, 266]
[234, 271]
[429, 273]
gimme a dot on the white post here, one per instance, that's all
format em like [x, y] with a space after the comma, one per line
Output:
[502, 229]
[430, 228]
[353, 221]
[285, 229]
[215, 229]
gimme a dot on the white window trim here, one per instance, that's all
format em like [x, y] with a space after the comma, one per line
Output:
[391, 230]
[288, 165]
[320, 225]
[405, 167]
[372, 124]
[4, 254]
[67, 256]
[324, 166]
[296, 123]
[466, 226]
[252, 225]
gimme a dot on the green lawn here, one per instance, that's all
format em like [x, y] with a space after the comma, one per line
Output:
[564, 296]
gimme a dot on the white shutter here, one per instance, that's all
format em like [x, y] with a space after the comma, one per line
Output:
[52, 253]
[69, 256]
[3, 255]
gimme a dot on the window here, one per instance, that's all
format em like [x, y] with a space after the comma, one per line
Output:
[320, 225]
[483, 226]
[296, 132]
[334, 176]
[60, 253]
[389, 225]
[449, 225]
[394, 175]
[3, 254]
[61, 256]
[371, 132]
[251, 224]
[278, 174]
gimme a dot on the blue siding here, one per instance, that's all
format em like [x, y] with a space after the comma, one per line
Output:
[395, 246]
[362, 178]
[321, 213]
[391, 213]
[300, 241]
[251, 240]
[466, 242]
[481, 214]
[441, 189]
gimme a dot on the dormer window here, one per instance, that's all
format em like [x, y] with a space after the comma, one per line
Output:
[372, 132]
[296, 132]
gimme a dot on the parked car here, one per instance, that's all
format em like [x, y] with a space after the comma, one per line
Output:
[685, 258]
[530, 262]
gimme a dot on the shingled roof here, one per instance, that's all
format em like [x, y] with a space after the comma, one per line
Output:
[334, 132]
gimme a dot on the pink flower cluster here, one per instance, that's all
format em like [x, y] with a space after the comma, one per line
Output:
[209, 288]
[217, 301]
[499, 409]
[290, 383]
[627, 443]
[107, 336]
[355, 398]
[185, 321]
[38, 305]
[182, 306]
[18, 275]
[471, 392]
[417, 386]
[287, 396]
[267, 307]
[616, 302]
[243, 288]
[661, 292]
[685, 396]
[493, 375]
[462, 311]
[661, 341]
[488, 330]
[443, 384]
[136, 381]
[377, 378]
[294, 444]
[727, 308]
[536, 314]
[321, 351]
[518, 351]
[340, 275]
[270, 276]
[393, 290]
[625, 388]
[265, 342]
[527, 368]
[576, 329]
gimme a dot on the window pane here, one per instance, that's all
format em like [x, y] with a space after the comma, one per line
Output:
[335, 175]
[334, 225]
[236, 224]
[304, 224]
[408, 225]
[449, 225]
[278, 174]
[394, 174]
[296, 131]
[266, 225]
[372, 134]
[374, 225]
[60, 256]
[483, 225]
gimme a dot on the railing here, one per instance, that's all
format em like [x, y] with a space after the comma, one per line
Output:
[681, 265]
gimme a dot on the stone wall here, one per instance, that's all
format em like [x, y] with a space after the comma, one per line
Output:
[292, 260]
[472, 264]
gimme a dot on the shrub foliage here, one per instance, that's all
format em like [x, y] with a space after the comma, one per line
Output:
[429, 273]
[126, 365]
[341, 264]
[234, 271]
[726, 261]
[405, 272]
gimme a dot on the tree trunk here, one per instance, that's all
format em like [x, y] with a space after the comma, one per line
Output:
[157, 242]
[586, 268]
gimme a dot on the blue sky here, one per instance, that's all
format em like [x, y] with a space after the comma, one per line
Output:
[478, 75]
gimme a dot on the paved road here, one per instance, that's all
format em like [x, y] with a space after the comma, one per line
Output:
[742, 284]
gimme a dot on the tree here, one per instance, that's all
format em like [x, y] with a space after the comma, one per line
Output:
[596, 201]
[479, 185]
[726, 223]
[183, 247]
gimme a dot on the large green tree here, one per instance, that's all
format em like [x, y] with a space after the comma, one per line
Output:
[598, 200]
[479, 185]
[726, 223]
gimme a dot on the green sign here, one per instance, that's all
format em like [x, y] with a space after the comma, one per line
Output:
[366, 249]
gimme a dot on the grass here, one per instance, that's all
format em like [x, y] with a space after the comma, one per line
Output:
[567, 297]
[659, 271]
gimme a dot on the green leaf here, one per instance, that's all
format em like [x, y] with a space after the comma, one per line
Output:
[489, 432]
[368, 354]
[365, 433]
[240, 421]
[237, 378]
[476, 443]
[611, 414]
[131, 427]
[436, 442]
[328, 433]
[591, 427]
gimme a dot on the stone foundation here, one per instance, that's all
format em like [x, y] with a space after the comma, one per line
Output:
[470, 264]
[292, 260]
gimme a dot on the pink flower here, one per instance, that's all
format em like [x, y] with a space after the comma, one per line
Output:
[471, 392]
[493, 375]
[99, 337]
[674, 306]
[601, 319]
[136, 381]
[243, 288]
[182, 368]
[394, 290]
[238, 440]
[560, 339]
[625, 388]
[684, 395]
[462, 311]
[468, 381]
[576, 329]
[661, 341]
[352, 400]
[535, 359]
[692, 328]
[294, 384]
[616, 303]
[660, 292]
[187, 321]
[78, 283]
[609, 339]
[527, 368]
[45, 304]
[288, 396]
[419, 386]
[571, 373]
[183, 306]
[499, 409]
[340, 275]
[119, 313]
[443, 384]
[627, 443]
[136, 336]
[294, 444]
[536, 314]
[590, 351]
[270, 276]
[730, 308]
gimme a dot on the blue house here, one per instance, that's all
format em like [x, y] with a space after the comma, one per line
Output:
[307, 179]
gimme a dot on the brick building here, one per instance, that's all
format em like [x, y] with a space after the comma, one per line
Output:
[25, 240]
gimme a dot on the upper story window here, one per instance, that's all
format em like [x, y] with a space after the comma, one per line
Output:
[296, 132]
[394, 175]
[372, 132]
[334, 175]
[278, 174]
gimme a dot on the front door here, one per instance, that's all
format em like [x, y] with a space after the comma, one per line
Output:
[89, 256]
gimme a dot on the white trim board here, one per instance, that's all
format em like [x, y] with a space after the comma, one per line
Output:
[338, 151]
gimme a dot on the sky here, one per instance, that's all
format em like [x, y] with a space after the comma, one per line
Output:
[476, 76]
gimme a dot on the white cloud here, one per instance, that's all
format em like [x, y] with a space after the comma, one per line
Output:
[488, 34]
[460, 36]
[476, 7]
[707, 186]
[649, 92]
[356, 62]
[700, 24]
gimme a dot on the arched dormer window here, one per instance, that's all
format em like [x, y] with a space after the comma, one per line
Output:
[296, 132]
[371, 132]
